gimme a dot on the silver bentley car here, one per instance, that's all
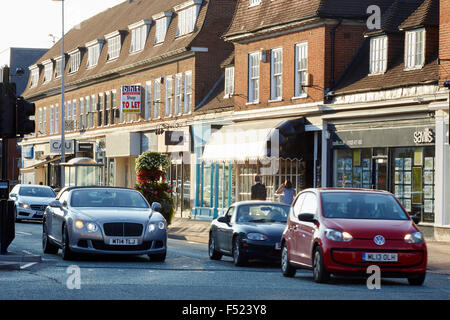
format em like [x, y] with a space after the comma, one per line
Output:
[104, 220]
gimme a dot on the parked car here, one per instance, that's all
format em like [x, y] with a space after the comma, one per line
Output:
[344, 231]
[249, 229]
[30, 201]
[104, 220]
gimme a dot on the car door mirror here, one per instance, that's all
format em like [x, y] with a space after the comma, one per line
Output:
[416, 219]
[156, 206]
[223, 219]
[13, 195]
[307, 217]
[55, 204]
[64, 204]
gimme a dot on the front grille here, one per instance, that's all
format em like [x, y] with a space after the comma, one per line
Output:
[100, 245]
[38, 207]
[120, 229]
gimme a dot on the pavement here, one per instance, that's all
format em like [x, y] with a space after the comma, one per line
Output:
[197, 231]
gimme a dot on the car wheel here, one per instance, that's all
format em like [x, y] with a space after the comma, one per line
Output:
[67, 254]
[320, 273]
[239, 259]
[47, 246]
[213, 253]
[158, 257]
[286, 267]
[417, 280]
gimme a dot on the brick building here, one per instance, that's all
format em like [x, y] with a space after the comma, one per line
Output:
[171, 49]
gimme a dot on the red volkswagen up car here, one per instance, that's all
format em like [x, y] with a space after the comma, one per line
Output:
[344, 231]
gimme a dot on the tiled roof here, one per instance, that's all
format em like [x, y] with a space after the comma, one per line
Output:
[426, 15]
[114, 19]
[280, 12]
[356, 77]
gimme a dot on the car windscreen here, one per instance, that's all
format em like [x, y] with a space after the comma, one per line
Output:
[261, 213]
[40, 192]
[353, 205]
[107, 198]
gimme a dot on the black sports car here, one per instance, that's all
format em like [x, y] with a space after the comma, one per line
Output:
[249, 229]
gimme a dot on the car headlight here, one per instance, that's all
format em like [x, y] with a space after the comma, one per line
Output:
[24, 205]
[160, 225]
[336, 235]
[91, 227]
[415, 237]
[256, 236]
[79, 224]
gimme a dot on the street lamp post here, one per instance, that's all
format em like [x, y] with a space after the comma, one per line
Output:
[63, 62]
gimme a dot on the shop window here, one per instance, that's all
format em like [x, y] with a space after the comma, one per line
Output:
[353, 168]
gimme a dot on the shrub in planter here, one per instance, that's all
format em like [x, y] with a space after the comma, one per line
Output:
[151, 182]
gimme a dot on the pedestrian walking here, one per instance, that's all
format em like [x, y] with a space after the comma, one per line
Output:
[289, 192]
[259, 191]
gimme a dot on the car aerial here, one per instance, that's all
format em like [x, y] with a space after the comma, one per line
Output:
[104, 220]
[249, 229]
[30, 200]
[344, 231]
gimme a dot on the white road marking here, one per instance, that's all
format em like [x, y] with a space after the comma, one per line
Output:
[24, 233]
[28, 265]
[27, 252]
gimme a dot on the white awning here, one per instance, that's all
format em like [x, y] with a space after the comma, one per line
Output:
[242, 141]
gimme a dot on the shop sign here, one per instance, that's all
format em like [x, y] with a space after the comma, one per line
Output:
[85, 147]
[55, 146]
[425, 136]
[131, 99]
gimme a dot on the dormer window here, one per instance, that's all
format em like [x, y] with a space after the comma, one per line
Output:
[162, 21]
[253, 3]
[187, 16]
[378, 55]
[94, 48]
[74, 60]
[48, 70]
[58, 65]
[415, 49]
[34, 76]
[114, 45]
[139, 32]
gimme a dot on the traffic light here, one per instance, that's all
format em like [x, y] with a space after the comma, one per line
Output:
[7, 110]
[25, 109]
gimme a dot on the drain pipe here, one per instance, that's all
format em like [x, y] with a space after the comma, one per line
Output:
[333, 52]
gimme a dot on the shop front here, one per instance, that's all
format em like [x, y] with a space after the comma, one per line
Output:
[397, 159]
[229, 157]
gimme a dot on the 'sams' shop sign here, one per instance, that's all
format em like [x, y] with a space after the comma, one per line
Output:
[131, 99]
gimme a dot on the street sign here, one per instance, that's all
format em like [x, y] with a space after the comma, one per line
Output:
[55, 146]
[131, 99]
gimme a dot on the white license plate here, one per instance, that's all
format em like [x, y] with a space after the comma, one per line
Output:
[278, 246]
[380, 257]
[123, 242]
[39, 213]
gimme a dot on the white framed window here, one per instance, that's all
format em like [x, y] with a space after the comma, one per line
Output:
[148, 101]
[162, 21]
[301, 69]
[92, 111]
[52, 120]
[178, 92]
[252, 3]
[58, 65]
[113, 106]
[187, 92]
[94, 49]
[169, 96]
[107, 109]
[378, 55]
[86, 112]
[34, 77]
[68, 108]
[187, 16]
[74, 111]
[100, 110]
[48, 71]
[415, 49]
[81, 114]
[44, 121]
[229, 81]
[276, 74]
[253, 77]
[139, 32]
[114, 46]
[39, 126]
[74, 61]
[157, 97]
[56, 118]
